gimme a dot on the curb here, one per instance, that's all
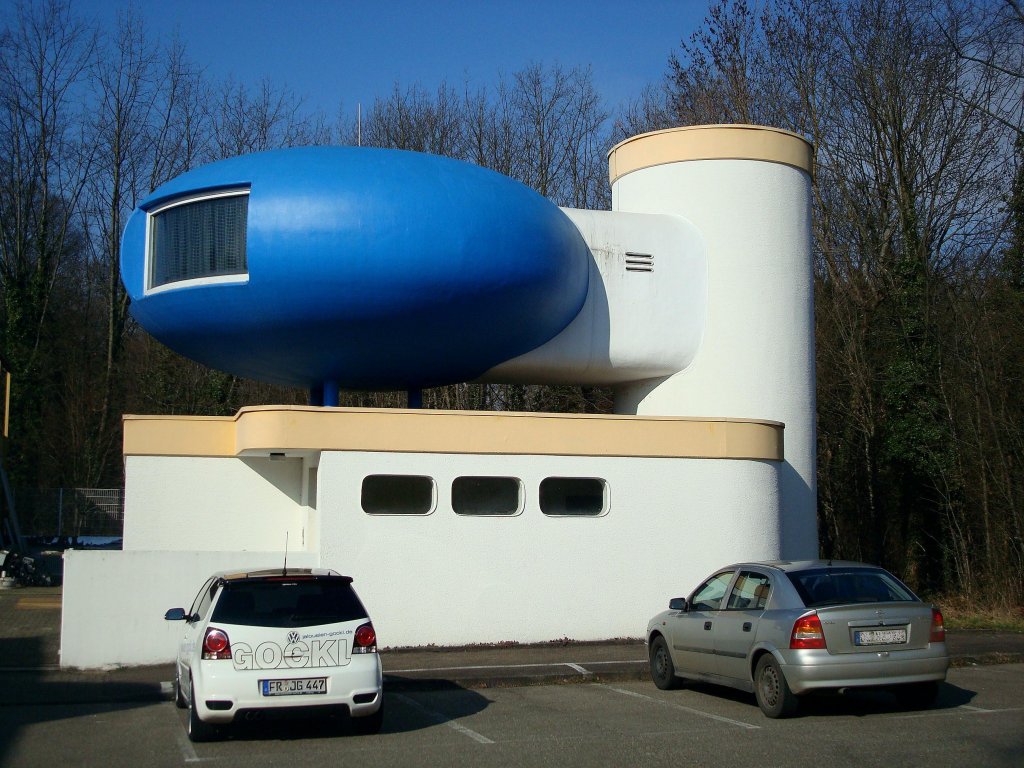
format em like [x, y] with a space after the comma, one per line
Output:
[986, 659]
[626, 671]
[52, 686]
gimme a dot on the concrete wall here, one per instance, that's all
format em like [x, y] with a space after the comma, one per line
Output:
[237, 503]
[114, 602]
[645, 309]
[448, 579]
[439, 578]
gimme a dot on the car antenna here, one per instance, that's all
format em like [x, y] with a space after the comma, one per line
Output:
[284, 571]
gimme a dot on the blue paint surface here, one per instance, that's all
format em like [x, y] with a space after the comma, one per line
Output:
[372, 268]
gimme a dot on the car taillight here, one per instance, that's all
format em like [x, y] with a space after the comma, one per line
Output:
[938, 633]
[365, 640]
[216, 644]
[807, 633]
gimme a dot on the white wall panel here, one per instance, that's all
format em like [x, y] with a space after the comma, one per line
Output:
[448, 579]
[114, 602]
[201, 503]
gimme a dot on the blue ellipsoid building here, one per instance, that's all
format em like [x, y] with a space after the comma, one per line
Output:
[327, 267]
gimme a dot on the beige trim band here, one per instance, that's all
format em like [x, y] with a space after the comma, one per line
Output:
[710, 142]
[298, 430]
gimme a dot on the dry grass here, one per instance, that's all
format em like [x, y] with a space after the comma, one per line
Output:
[962, 613]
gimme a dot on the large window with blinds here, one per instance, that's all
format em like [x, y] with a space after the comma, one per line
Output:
[196, 238]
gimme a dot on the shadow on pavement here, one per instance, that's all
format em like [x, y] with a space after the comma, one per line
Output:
[404, 712]
[30, 693]
[854, 702]
[861, 702]
[29, 652]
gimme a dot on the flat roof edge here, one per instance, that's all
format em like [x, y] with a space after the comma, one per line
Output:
[262, 430]
[710, 142]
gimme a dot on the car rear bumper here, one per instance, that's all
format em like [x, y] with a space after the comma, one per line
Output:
[816, 670]
[223, 692]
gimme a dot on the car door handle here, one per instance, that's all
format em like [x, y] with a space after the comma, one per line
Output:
[746, 626]
[707, 625]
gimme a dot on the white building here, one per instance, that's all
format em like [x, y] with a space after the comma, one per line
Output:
[482, 527]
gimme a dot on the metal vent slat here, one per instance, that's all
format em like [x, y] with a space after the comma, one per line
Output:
[639, 262]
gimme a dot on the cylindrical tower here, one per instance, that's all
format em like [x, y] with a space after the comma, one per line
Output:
[747, 190]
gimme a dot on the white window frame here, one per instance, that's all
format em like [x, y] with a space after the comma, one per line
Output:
[605, 497]
[520, 496]
[433, 495]
[239, 278]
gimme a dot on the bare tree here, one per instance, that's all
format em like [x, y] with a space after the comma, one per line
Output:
[242, 122]
[913, 139]
[143, 128]
[560, 117]
[412, 119]
[491, 128]
[988, 35]
[43, 166]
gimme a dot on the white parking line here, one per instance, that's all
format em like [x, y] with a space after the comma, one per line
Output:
[578, 666]
[963, 709]
[442, 719]
[673, 705]
[185, 746]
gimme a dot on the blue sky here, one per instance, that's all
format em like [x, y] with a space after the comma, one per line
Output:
[334, 52]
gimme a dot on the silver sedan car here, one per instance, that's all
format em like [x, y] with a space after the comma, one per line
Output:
[783, 629]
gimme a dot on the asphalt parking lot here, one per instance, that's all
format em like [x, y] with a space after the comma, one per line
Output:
[562, 703]
[979, 721]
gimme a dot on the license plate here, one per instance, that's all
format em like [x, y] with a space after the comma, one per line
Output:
[880, 637]
[296, 687]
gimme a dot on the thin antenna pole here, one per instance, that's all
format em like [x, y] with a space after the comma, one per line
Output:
[7, 402]
[284, 571]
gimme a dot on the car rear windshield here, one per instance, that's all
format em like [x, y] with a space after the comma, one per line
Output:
[288, 603]
[820, 587]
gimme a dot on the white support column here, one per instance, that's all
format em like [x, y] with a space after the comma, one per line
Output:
[747, 190]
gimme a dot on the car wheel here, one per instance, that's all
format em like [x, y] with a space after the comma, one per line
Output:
[663, 672]
[917, 695]
[366, 726]
[197, 729]
[771, 689]
[179, 695]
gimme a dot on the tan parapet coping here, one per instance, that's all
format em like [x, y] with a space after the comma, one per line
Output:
[262, 430]
[710, 142]
[179, 435]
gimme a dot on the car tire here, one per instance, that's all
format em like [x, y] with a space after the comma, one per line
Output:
[771, 689]
[197, 729]
[371, 724]
[663, 672]
[917, 695]
[179, 695]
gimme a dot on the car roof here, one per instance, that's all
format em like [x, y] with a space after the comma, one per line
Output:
[790, 566]
[277, 573]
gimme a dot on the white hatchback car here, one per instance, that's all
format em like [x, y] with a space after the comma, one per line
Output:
[275, 643]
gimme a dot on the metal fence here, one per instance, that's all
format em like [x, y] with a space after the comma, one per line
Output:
[70, 512]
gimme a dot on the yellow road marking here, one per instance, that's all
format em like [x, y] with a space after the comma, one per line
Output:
[38, 602]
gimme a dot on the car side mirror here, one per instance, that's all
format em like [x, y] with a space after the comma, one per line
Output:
[176, 614]
[678, 604]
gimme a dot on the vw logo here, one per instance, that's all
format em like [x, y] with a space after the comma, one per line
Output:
[293, 637]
